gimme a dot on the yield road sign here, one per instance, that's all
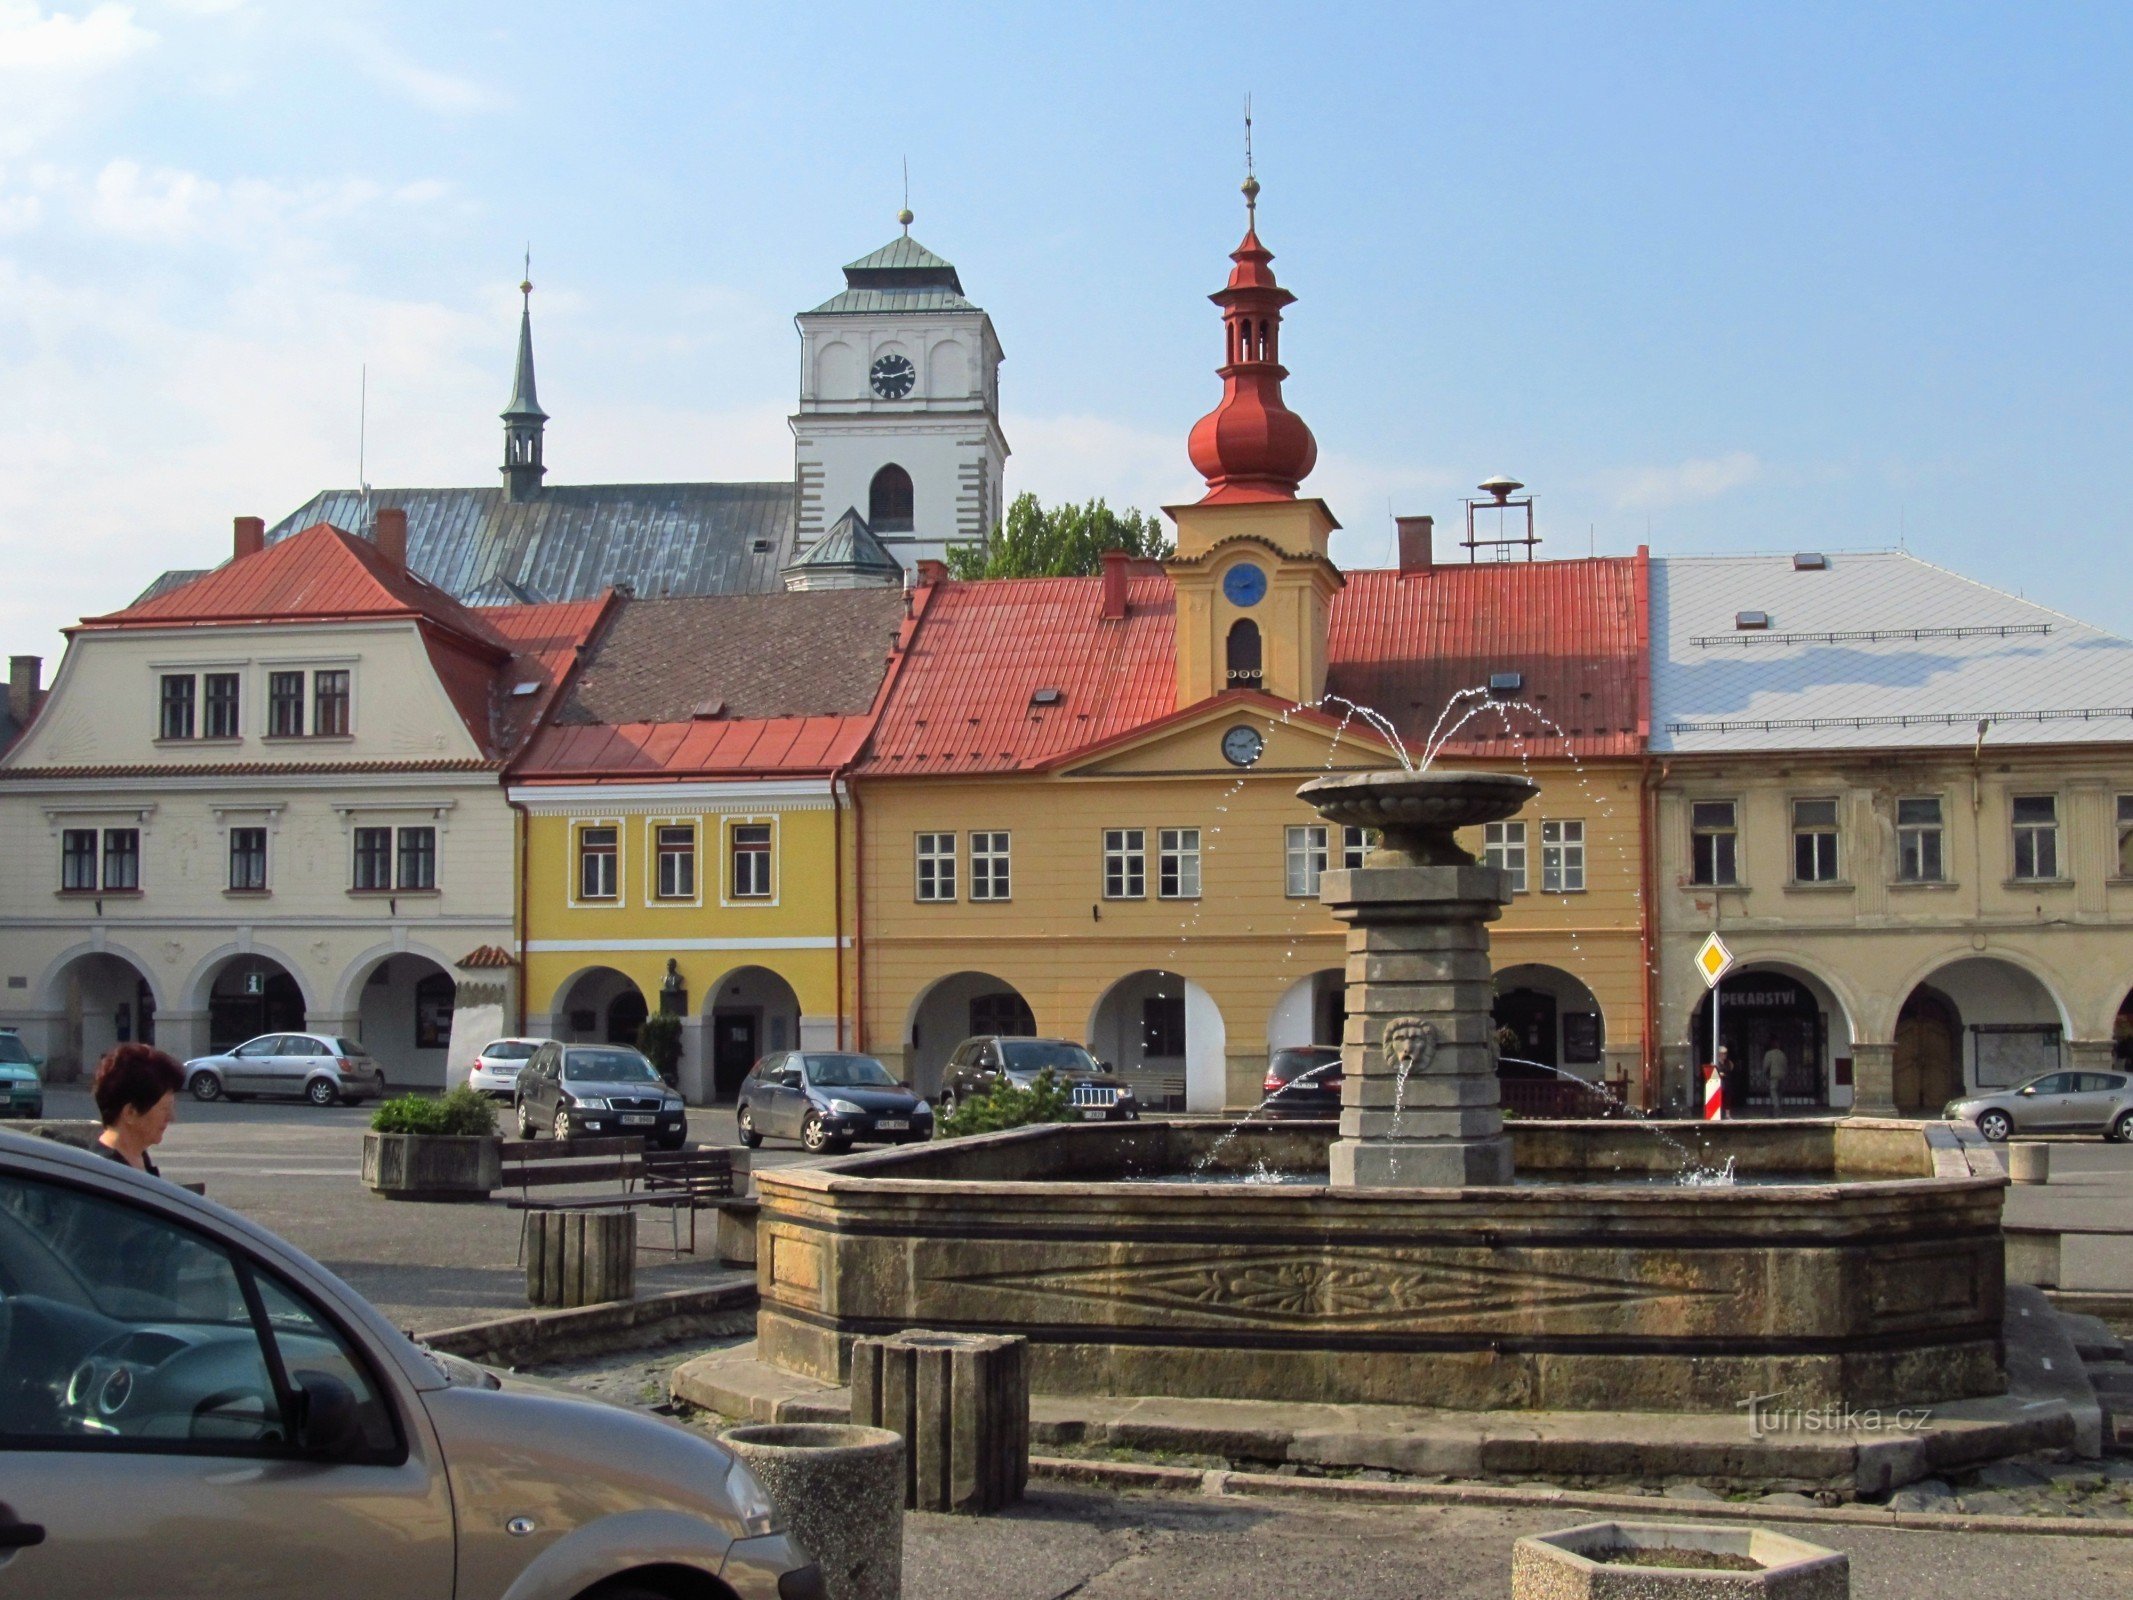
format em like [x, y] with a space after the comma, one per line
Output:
[1712, 960]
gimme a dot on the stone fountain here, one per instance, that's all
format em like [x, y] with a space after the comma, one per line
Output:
[1420, 1101]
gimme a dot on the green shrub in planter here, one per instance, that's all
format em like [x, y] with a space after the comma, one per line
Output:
[659, 1037]
[1005, 1106]
[463, 1112]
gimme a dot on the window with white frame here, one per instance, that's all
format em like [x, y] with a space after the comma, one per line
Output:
[1814, 841]
[2125, 836]
[285, 705]
[416, 859]
[78, 848]
[599, 861]
[395, 860]
[1714, 843]
[1919, 839]
[373, 860]
[1125, 863]
[936, 866]
[176, 719]
[220, 705]
[1563, 855]
[1503, 846]
[122, 859]
[674, 845]
[329, 703]
[989, 877]
[1178, 863]
[748, 847]
[2036, 836]
[248, 860]
[1303, 858]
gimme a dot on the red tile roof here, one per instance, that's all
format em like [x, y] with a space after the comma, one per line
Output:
[487, 957]
[745, 747]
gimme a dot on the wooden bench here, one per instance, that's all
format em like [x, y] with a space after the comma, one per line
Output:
[672, 1180]
[695, 1179]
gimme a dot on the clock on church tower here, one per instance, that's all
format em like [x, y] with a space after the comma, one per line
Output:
[899, 408]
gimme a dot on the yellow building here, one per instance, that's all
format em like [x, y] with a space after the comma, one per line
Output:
[686, 836]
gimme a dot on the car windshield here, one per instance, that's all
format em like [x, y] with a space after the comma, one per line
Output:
[508, 1050]
[345, 1047]
[848, 1072]
[608, 1066]
[1034, 1055]
[13, 1050]
[1289, 1064]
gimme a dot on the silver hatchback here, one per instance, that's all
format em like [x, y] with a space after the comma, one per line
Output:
[2058, 1102]
[323, 1068]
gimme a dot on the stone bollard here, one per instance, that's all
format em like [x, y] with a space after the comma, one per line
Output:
[580, 1258]
[961, 1401]
[840, 1490]
[2029, 1163]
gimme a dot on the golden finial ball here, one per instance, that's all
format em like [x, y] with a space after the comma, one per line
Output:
[526, 287]
[1250, 186]
[905, 217]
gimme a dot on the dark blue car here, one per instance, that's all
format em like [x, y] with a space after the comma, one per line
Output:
[827, 1099]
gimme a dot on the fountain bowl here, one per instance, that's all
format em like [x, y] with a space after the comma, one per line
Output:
[1417, 812]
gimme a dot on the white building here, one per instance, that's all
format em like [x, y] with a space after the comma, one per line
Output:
[268, 799]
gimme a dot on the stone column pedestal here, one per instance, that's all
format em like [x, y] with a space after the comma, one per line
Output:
[1874, 1080]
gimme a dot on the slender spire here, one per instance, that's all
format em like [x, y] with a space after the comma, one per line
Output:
[904, 216]
[524, 420]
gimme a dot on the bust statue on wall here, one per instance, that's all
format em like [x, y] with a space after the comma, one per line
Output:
[673, 992]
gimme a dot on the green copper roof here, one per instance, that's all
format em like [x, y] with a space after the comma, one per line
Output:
[902, 252]
[524, 403]
[850, 543]
[903, 275]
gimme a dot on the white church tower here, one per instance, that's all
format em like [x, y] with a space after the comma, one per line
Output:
[899, 415]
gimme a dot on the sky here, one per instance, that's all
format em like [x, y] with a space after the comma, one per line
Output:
[1708, 277]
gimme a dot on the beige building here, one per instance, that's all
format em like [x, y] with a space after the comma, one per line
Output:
[268, 799]
[1904, 801]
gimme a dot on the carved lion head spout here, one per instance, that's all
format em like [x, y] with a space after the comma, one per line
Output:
[1409, 1043]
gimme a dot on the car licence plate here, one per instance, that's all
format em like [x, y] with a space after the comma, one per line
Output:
[638, 1119]
[892, 1124]
[1094, 1113]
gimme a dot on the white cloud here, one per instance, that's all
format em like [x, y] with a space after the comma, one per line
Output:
[49, 60]
[443, 92]
[1656, 488]
[1062, 458]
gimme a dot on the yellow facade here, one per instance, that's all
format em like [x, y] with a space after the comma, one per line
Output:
[750, 925]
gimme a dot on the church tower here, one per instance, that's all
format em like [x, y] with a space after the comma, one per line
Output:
[524, 420]
[899, 417]
[1254, 581]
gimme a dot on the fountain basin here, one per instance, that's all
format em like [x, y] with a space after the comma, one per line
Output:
[1874, 1285]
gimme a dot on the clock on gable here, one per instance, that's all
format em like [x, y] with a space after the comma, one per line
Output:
[1244, 584]
[1242, 746]
[892, 377]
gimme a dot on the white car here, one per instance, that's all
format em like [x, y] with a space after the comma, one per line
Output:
[495, 1070]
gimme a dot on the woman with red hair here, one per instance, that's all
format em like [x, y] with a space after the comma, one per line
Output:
[136, 1092]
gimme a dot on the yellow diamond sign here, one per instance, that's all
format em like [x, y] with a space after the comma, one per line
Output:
[1713, 960]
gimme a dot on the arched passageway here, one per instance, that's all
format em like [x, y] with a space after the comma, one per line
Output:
[1312, 1010]
[1999, 1022]
[1165, 1035]
[99, 999]
[952, 1009]
[1788, 1040]
[250, 995]
[1928, 1059]
[403, 1014]
[600, 1006]
[751, 1011]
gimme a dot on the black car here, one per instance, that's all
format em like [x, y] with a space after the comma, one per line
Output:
[1099, 1094]
[826, 1099]
[608, 1089]
[1304, 1081]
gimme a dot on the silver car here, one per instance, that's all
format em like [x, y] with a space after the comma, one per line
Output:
[2058, 1102]
[323, 1068]
[193, 1409]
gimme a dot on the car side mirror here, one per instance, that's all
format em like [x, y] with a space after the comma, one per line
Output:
[2029, 1089]
[329, 1421]
[1105, 1066]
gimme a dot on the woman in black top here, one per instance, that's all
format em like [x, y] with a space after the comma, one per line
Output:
[136, 1092]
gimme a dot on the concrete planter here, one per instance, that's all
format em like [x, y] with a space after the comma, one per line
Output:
[841, 1492]
[1560, 1566]
[431, 1166]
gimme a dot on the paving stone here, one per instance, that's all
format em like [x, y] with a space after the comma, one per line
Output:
[1785, 1497]
[1691, 1491]
[2009, 1475]
[1928, 1494]
[1995, 1503]
[2075, 1475]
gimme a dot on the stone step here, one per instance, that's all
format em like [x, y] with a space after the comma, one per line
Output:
[2093, 1339]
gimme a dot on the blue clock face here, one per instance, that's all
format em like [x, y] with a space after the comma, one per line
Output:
[1244, 584]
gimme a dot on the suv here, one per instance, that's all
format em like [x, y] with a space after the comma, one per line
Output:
[1303, 1080]
[977, 1064]
[21, 1078]
[194, 1408]
[569, 1089]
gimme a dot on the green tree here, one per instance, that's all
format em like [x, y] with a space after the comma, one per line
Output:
[659, 1037]
[1065, 542]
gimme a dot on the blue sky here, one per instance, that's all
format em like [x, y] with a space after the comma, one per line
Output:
[1717, 277]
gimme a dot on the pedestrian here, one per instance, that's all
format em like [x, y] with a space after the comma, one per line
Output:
[1775, 1066]
[136, 1093]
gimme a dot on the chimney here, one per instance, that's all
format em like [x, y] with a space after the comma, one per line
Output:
[1416, 554]
[251, 537]
[388, 531]
[23, 673]
[1116, 563]
[932, 572]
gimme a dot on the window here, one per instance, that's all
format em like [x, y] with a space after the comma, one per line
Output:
[598, 849]
[1305, 858]
[222, 705]
[329, 703]
[418, 858]
[248, 859]
[285, 705]
[751, 861]
[1125, 863]
[889, 501]
[1007, 1013]
[675, 844]
[1814, 841]
[1713, 843]
[1503, 845]
[77, 859]
[2125, 836]
[1178, 863]
[1918, 839]
[1563, 856]
[122, 858]
[2036, 836]
[1356, 843]
[1162, 1026]
[988, 866]
[936, 866]
[177, 720]
[1244, 663]
[373, 858]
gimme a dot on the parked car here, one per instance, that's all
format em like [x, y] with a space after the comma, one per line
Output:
[323, 1068]
[168, 1358]
[2058, 1102]
[977, 1064]
[569, 1089]
[495, 1071]
[827, 1099]
[21, 1078]
[1303, 1081]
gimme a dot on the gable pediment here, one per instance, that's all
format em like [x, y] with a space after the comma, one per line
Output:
[1191, 743]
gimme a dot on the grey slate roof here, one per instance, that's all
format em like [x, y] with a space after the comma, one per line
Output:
[176, 578]
[903, 275]
[573, 540]
[1880, 650]
[850, 544]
